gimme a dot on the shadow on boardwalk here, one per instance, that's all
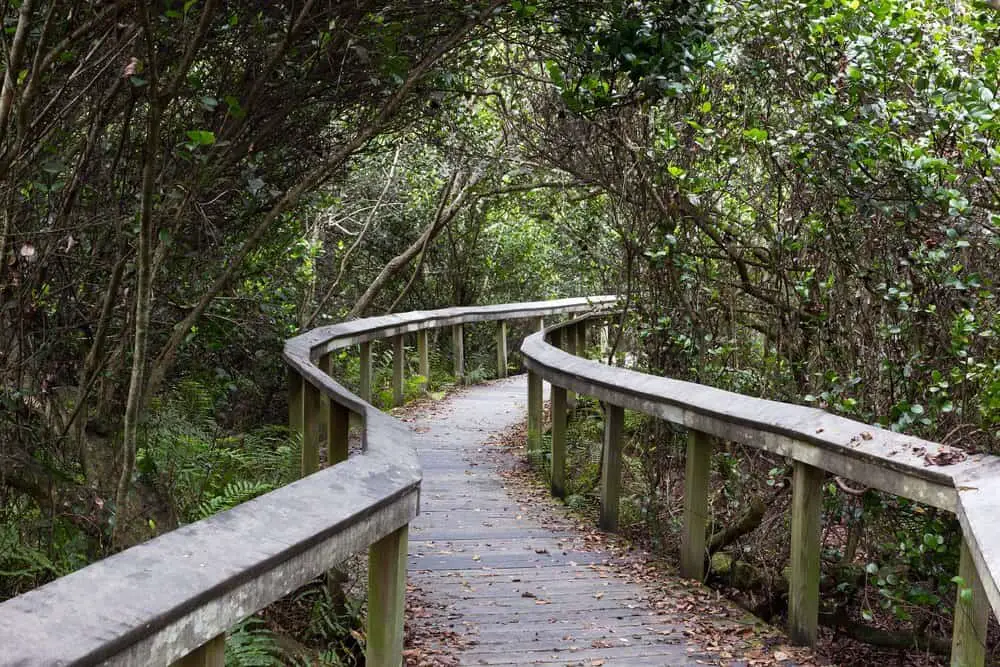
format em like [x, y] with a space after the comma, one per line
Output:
[496, 582]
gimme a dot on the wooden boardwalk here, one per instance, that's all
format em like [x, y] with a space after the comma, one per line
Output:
[515, 590]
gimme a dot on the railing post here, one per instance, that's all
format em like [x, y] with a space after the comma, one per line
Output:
[697, 467]
[326, 365]
[968, 639]
[386, 599]
[502, 349]
[365, 389]
[295, 400]
[337, 432]
[568, 344]
[581, 338]
[558, 441]
[803, 592]
[398, 361]
[458, 352]
[423, 359]
[534, 416]
[337, 420]
[303, 418]
[210, 654]
[539, 323]
[611, 470]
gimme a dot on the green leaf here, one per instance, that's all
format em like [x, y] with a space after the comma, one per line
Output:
[201, 137]
[756, 135]
[706, 107]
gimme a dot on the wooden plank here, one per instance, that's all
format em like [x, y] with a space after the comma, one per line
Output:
[310, 428]
[611, 471]
[295, 401]
[559, 410]
[398, 365]
[338, 431]
[365, 391]
[568, 344]
[423, 359]
[386, 600]
[972, 613]
[458, 352]
[581, 337]
[326, 365]
[803, 593]
[210, 654]
[697, 469]
[502, 349]
[534, 417]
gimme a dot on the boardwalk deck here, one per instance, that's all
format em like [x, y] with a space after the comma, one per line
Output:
[517, 590]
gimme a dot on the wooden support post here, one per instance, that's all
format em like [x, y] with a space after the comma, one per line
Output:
[581, 338]
[310, 429]
[210, 654]
[803, 591]
[502, 349]
[337, 431]
[696, 474]
[539, 323]
[326, 365]
[386, 600]
[569, 345]
[295, 401]
[458, 352]
[424, 362]
[398, 361]
[611, 470]
[558, 441]
[534, 416]
[605, 341]
[972, 612]
[365, 390]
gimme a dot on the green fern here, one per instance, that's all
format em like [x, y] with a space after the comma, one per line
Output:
[232, 495]
[250, 644]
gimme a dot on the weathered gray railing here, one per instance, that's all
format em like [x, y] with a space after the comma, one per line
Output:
[173, 598]
[816, 441]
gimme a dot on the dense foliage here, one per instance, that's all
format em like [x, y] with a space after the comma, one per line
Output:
[796, 199]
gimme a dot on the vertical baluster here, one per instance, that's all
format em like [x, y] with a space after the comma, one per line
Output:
[386, 599]
[336, 417]
[398, 361]
[568, 344]
[968, 639]
[458, 352]
[534, 416]
[611, 470]
[365, 389]
[210, 654]
[423, 356]
[310, 428]
[295, 401]
[803, 593]
[325, 365]
[337, 433]
[581, 338]
[539, 323]
[502, 349]
[696, 475]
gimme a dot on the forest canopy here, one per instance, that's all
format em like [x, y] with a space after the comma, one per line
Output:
[795, 199]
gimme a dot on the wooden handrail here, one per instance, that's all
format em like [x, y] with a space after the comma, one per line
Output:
[816, 441]
[174, 597]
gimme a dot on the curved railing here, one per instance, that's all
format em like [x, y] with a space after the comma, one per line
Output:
[816, 441]
[173, 598]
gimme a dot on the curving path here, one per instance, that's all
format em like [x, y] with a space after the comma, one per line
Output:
[510, 586]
